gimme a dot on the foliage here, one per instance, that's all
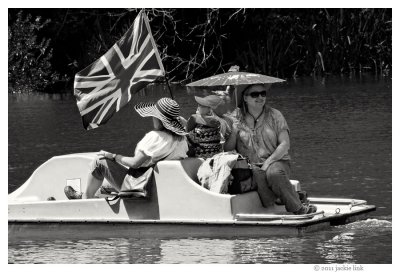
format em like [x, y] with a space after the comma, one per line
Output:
[317, 41]
[195, 43]
[29, 66]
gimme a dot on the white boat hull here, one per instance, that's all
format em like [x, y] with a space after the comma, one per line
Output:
[178, 205]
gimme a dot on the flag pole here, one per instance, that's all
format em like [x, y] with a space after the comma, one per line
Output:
[169, 87]
[146, 20]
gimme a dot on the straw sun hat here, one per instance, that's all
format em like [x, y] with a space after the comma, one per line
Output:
[166, 110]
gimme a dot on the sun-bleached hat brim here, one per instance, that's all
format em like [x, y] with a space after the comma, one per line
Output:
[164, 111]
[212, 101]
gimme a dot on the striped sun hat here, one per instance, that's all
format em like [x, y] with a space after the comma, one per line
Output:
[166, 110]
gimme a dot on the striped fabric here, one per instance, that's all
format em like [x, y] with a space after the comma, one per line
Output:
[105, 86]
[166, 110]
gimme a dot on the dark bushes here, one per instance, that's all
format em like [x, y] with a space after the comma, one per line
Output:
[195, 43]
[29, 66]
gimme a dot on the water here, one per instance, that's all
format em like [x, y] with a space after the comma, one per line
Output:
[341, 136]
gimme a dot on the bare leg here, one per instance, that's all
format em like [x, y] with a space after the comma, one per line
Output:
[93, 184]
[100, 169]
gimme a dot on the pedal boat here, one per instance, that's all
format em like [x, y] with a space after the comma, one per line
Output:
[178, 207]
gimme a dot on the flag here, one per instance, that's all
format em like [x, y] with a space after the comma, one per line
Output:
[105, 86]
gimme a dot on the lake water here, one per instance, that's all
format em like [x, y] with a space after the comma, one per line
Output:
[341, 135]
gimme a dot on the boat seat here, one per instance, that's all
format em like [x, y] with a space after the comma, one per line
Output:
[191, 166]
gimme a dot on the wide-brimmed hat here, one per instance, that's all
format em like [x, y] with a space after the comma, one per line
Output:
[166, 110]
[212, 101]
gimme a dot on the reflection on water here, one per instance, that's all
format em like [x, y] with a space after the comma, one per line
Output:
[274, 250]
[197, 251]
[340, 144]
[355, 243]
[339, 247]
[86, 251]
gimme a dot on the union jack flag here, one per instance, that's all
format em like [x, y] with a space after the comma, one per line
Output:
[105, 86]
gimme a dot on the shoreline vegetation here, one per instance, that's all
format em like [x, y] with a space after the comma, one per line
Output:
[46, 47]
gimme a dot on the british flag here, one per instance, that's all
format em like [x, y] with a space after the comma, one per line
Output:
[105, 86]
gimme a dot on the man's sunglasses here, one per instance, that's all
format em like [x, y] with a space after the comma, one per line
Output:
[257, 94]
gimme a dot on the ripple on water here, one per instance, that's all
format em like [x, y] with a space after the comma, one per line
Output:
[372, 224]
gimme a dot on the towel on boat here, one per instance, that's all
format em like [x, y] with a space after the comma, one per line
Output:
[215, 172]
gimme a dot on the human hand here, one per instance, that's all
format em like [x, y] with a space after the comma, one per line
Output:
[105, 154]
[230, 179]
[265, 165]
[245, 186]
[235, 127]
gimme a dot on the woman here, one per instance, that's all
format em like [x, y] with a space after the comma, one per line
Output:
[262, 135]
[166, 141]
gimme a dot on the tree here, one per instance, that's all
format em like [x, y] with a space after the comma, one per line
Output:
[29, 66]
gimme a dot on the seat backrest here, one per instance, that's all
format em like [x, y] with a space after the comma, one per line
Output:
[191, 166]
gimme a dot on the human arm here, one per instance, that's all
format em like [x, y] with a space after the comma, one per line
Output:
[230, 144]
[183, 121]
[280, 151]
[132, 162]
[191, 124]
